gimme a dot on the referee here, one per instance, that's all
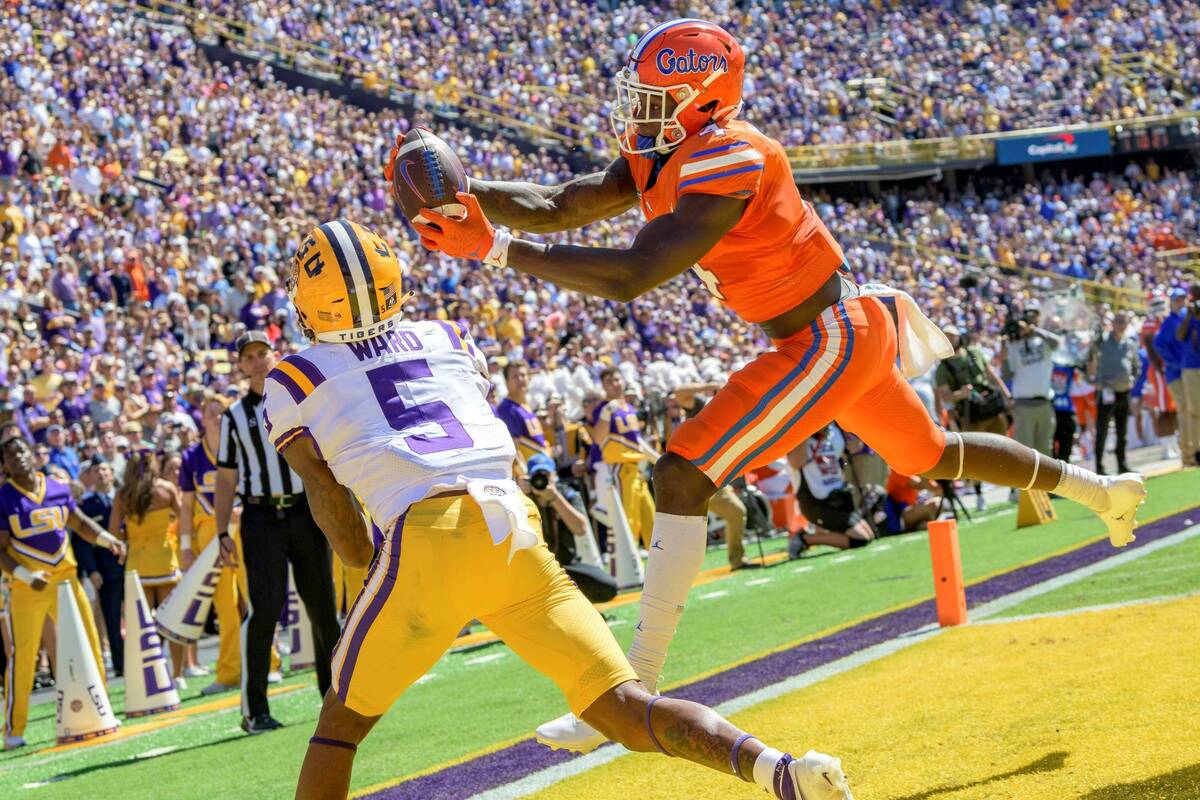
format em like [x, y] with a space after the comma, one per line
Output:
[277, 527]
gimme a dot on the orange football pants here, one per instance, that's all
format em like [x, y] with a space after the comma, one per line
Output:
[840, 368]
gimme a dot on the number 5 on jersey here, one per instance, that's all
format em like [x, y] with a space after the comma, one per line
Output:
[404, 418]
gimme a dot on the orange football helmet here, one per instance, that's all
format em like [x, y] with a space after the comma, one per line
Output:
[694, 63]
[345, 283]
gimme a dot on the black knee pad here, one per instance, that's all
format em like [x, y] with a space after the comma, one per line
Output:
[856, 543]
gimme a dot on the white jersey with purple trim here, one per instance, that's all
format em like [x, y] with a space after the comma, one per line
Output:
[394, 416]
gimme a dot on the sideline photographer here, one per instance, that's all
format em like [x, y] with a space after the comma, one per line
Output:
[825, 498]
[564, 520]
[1028, 354]
[968, 385]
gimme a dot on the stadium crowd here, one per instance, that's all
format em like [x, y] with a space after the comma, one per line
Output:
[151, 198]
[986, 67]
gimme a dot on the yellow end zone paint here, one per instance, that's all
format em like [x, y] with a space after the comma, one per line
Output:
[707, 577]
[1097, 705]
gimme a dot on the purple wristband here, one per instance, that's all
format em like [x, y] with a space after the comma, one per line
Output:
[733, 757]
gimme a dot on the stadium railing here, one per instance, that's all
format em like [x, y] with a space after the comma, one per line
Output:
[1119, 297]
[1186, 257]
[888, 153]
[947, 150]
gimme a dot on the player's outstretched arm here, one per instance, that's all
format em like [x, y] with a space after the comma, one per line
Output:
[665, 247]
[534, 208]
[332, 505]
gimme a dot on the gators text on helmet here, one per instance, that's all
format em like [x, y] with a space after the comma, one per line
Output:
[680, 76]
[345, 282]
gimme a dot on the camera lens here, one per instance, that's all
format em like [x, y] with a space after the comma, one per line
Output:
[539, 480]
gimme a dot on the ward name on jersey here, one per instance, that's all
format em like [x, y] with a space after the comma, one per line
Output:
[393, 416]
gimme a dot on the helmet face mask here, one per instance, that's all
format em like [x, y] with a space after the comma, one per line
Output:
[345, 284]
[641, 105]
[680, 76]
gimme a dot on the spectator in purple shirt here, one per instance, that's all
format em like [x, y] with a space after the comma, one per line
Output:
[73, 406]
[37, 418]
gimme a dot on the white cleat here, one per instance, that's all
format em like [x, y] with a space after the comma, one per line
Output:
[13, 742]
[819, 777]
[568, 732]
[1125, 493]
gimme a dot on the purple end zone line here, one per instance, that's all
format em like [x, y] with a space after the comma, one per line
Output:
[527, 756]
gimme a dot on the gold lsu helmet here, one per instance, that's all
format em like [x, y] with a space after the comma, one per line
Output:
[345, 282]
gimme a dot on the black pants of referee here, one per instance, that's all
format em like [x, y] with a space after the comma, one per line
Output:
[270, 539]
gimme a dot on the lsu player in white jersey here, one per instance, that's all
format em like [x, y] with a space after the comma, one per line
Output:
[396, 412]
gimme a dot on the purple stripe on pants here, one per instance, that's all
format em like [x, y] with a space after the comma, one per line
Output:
[372, 610]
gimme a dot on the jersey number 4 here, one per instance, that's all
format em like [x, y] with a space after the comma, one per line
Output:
[711, 281]
[403, 418]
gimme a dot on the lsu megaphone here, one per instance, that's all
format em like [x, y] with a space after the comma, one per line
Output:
[83, 708]
[149, 687]
[181, 616]
[625, 561]
[297, 630]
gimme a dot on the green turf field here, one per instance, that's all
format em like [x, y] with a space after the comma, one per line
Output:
[481, 698]
[1172, 571]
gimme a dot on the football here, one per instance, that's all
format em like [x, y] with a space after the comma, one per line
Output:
[426, 174]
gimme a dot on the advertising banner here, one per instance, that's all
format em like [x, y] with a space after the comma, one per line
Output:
[1053, 147]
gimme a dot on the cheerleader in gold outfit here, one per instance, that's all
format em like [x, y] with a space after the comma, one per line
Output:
[145, 514]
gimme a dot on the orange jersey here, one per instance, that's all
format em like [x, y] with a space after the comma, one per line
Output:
[780, 252]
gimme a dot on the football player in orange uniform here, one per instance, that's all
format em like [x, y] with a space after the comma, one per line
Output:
[720, 199]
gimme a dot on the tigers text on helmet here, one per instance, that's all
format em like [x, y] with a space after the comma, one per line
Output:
[345, 282]
[680, 76]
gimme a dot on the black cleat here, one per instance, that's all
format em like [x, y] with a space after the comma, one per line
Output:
[260, 723]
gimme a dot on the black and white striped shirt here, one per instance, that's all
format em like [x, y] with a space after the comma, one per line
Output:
[245, 447]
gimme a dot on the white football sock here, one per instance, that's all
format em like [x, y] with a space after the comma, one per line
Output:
[676, 555]
[1083, 486]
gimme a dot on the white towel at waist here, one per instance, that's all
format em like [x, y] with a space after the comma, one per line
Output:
[506, 513]
[921, 342]
[504, 509]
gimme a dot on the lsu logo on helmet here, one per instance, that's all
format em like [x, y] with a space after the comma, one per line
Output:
[680, 76]
[345, 283]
